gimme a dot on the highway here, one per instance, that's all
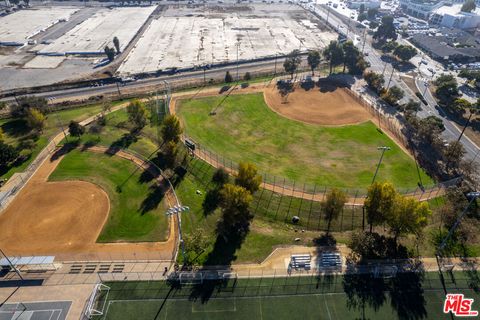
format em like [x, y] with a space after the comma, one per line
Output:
[451, 133]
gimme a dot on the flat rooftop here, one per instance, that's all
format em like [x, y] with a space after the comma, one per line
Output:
[92, 35]
[18, 27]
[194, 36]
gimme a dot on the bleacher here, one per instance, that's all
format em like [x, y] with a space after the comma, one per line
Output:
[301, 261]
[330, 260]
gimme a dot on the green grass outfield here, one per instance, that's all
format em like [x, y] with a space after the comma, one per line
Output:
[245, 129]
[310, 297]
[135, 211]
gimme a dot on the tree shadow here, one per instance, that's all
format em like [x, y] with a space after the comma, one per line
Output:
[222, 254]
[325, 240]
[16, 128]
[150, 173]
[153, 199]
[406, 295]
[122, 143]
[211, 201]
[472, 274]
[90, 143]
[66, 148]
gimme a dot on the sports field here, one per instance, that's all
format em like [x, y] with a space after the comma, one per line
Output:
[246, 129]
[407, 296]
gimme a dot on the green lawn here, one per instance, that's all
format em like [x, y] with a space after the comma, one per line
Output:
[136, 213]
[245, 129]
[16, 131]
[407, 296]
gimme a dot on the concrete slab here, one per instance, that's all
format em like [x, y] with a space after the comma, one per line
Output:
[92, 35]
[44, 62]
[186, 37]
[18, 27]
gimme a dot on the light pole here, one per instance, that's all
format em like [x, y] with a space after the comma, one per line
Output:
[175, 211]
[238, 48]
[12, 265]
[473, 195]
[380, 161]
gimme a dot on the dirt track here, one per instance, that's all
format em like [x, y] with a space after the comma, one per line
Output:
[331, 108]
[65, 219]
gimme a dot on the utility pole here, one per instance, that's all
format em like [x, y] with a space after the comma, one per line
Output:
[384, 68]
[204, 79]
[238, 47]
[275, 68]
[380, 161]
[328, 13]
[465, 126]
[389, 80]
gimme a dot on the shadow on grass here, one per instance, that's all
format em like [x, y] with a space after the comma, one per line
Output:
[222, 254]
[16, 128]
[66, 148]
[122, 143]
[153, 199]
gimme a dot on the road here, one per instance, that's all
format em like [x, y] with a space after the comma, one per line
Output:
[451, 133]
[215, 73]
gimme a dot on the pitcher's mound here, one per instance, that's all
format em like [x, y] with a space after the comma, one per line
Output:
[332, 107]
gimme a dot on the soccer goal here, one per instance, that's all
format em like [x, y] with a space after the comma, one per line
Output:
[96, 302]
[190, 277]
[229, 279]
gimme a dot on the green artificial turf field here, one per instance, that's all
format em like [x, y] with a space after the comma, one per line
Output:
[135, 210]
[407, 296]
[245, 129]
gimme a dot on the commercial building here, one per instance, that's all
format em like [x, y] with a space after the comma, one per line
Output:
[355, 4]
[419, 8]
[451, 16]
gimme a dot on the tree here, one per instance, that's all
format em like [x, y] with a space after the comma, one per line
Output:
[313, 60]
[389, 46]
[405, 53]
[361, 9]
[76, 129]
[116, 43]
[371, 13]
[235, 201]
[220, 177]
[350, 56]
[447, 89]
[453, 153]
[2, 135]
[8, 154]
[110, 52]
[362, 17]
[228, 77]
[333, 205]
[247, 177]
[411, 106]
[379, 203]
[374, 81]
[170, 154]
[386, 30]
[196, 241]
[171, 128]
[247, 76]
[393, 95]
[27, 102]
[35, 120]
[292, 62]
[459, 106]
[408, 216]
[469, 6]
[334, 54]
[137, 114]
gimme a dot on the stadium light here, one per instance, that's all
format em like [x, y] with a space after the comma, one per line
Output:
[383, 148]
[473, 196]
[175, 210]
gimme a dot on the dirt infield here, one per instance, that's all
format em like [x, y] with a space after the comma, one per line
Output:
[65, 218]
[321, 106]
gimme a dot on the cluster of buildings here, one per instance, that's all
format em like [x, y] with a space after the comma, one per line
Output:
[443, 13]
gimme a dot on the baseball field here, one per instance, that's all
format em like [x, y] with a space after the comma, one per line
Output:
[327, 139]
